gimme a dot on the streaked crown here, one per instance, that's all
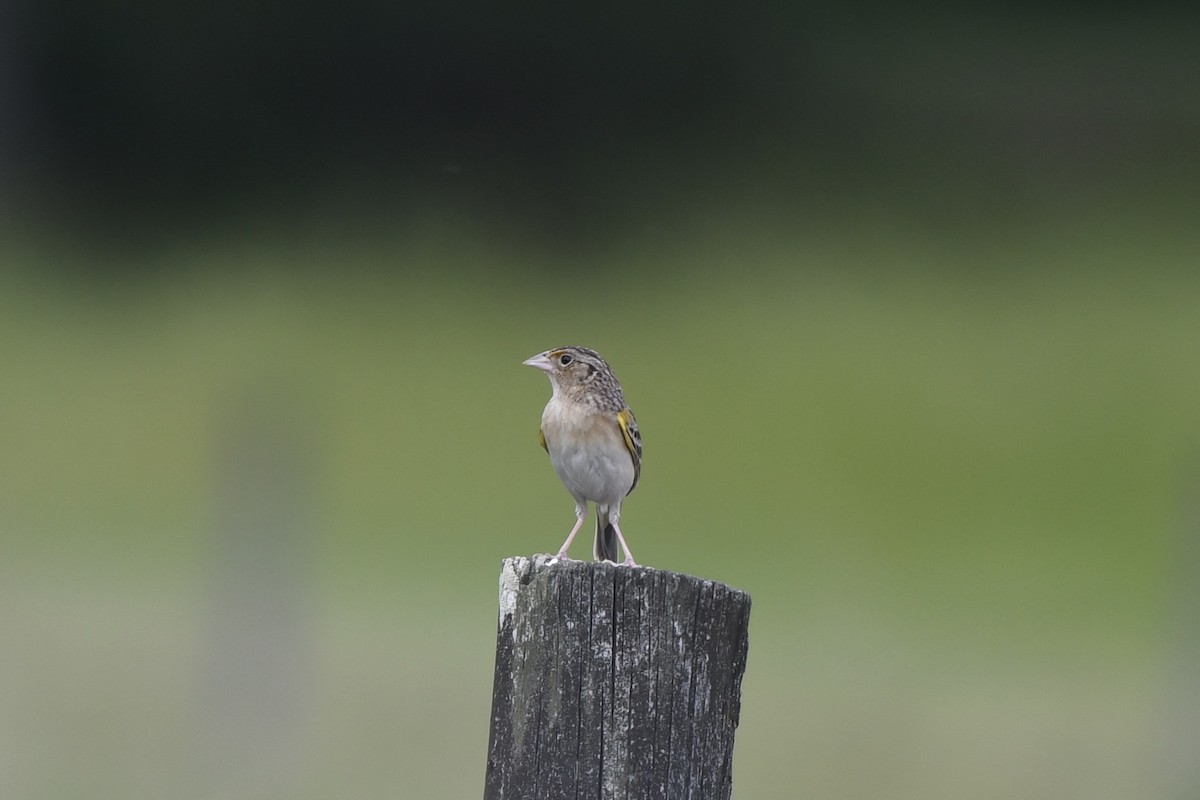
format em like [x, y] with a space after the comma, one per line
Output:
[581, 374]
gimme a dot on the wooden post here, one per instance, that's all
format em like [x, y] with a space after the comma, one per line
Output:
[614, 682]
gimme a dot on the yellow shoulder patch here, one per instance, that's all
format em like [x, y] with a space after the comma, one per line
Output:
[633, 442]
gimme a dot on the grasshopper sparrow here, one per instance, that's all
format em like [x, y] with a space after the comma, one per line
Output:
[593, 442]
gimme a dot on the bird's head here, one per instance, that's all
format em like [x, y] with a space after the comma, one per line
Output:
[572, 370]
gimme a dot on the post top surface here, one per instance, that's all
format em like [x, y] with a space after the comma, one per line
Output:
[517, 570]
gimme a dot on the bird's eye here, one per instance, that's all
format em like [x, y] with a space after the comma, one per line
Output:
[565, 358]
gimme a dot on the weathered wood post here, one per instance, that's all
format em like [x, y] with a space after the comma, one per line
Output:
[614, 682]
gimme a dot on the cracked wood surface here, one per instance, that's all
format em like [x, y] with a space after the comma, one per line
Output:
[614, 682]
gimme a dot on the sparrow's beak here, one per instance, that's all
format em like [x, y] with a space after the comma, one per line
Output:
[540, 361]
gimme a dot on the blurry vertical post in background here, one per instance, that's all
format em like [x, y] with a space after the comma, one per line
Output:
[1180, 769]
[252, 713]
[614, 682]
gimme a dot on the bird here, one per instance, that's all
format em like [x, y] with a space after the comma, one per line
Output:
[593, 442]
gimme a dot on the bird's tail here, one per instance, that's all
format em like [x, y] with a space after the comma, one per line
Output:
[605, 547]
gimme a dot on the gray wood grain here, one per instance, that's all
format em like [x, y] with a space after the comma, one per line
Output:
[614, 682]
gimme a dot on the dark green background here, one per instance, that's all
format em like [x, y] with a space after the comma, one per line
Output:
[905, 301]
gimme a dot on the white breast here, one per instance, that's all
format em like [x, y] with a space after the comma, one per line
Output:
[588, 452]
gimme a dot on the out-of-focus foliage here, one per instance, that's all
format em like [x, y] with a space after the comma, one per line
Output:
[252, 521]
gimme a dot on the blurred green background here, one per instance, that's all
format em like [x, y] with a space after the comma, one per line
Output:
[906, 304]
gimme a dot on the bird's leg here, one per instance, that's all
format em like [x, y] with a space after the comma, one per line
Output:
[628, 562]
[580, 513]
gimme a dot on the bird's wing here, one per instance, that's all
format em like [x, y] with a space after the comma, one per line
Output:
[633, 442]
[542, 439]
